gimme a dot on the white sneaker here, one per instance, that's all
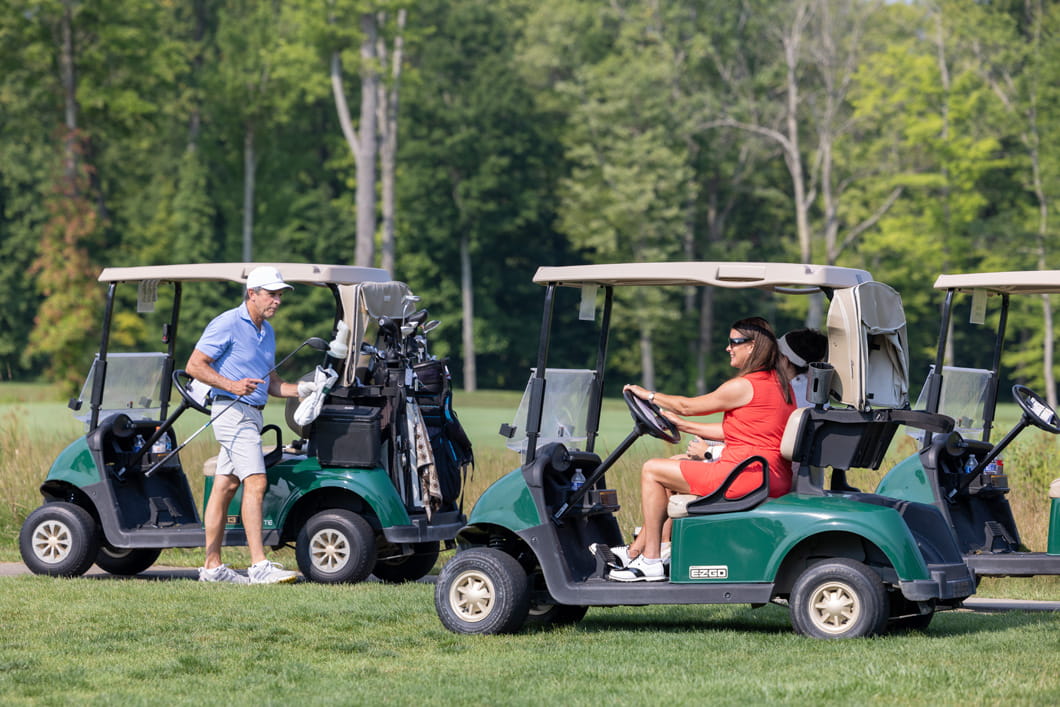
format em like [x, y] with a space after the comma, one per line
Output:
[266, 572]
[222, 573]
[640, 570]
[621, 553]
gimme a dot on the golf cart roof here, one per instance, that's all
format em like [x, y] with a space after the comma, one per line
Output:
[297, 273]
[1026, 282]
[778, 277]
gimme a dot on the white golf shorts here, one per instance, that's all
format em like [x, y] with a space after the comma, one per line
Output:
[237, 428]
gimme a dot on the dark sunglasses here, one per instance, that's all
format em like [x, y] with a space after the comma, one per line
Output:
[740, 340]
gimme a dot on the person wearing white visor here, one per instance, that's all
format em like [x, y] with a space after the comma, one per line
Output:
[235, 357]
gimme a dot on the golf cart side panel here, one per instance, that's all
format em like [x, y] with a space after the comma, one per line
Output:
[564, 588]
[908, 480]
[507, 503]
[372, 485]
[753, 545]
[75, 465]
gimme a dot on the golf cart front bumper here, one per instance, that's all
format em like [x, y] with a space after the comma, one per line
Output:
[949, 583]
[440, 527]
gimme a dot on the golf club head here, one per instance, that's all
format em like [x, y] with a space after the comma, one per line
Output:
[389, 327]
[315, 342]
[431, 325]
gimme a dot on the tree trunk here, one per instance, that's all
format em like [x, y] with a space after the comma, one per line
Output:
[467, 306]
[249, 169]
[365, 253]
[647, 358]
[388, 112]
[68, 78]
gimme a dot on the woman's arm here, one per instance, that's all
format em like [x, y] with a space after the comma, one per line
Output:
[706, 430]
[730, 395]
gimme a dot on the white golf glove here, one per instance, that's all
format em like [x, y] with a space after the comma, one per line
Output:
[309, 408]
[307, 388]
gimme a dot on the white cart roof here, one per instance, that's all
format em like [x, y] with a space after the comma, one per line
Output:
[1027, 282]
[296, 273]
[777, 277]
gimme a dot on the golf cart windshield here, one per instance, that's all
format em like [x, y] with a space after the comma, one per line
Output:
[566, 409]
[134, 386]
[964, 392]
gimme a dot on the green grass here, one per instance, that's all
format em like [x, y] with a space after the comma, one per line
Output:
[181, 642]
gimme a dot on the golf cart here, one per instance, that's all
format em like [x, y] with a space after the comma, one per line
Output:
[357, 491]
[959, 473]
[846, 563]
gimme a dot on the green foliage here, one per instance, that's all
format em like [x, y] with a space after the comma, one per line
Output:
[550, 132]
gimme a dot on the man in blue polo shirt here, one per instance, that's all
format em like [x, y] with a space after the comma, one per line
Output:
[235, 356]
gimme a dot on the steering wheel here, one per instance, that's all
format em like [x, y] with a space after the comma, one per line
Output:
[189, 399]
[650, 419]
[1036, 410]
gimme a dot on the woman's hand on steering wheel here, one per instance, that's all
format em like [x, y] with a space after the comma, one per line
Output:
[649, 417]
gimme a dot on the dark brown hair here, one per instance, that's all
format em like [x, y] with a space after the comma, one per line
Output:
[765, 356]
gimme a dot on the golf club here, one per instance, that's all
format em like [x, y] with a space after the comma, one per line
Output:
[314, 342]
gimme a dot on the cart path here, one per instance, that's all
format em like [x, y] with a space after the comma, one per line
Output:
[162, 572]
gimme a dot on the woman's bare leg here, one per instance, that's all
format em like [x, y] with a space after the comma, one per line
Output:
[658, 479]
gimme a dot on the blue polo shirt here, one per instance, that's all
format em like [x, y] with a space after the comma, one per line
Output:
[239, 350]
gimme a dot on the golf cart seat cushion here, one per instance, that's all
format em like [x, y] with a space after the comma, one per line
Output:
[1054, 489]
[792, 431]
[678, 505]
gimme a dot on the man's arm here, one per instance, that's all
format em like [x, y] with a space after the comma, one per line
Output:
[199, 368]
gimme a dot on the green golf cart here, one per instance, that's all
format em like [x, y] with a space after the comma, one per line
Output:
[960, 473]
[847, 563]
[356, 491]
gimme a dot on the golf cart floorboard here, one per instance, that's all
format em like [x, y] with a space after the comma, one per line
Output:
[604, 592]
[182, 535]
[1013, 564]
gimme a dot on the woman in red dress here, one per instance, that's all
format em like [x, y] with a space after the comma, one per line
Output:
[756, 403]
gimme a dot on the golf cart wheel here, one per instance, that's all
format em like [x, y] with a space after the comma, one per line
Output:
[59, 539]
[555, 614]
[905, 614]
[407, 568]
[482, 591]
[839, 598]
[126, 562]
[336, 546]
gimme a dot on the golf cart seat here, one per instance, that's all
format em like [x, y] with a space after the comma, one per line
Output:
[273, 453]
[687, 504]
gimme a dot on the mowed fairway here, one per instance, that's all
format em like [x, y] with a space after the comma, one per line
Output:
[114, 641]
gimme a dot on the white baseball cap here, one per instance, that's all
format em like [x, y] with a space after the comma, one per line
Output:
[266, 277]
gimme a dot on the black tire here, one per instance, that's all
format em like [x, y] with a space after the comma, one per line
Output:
[336, 546]
[59, 539]
[839, 598]
[905, 614]
[483, 591]
[904, 624]
[555, 614]
[126, 562]
[408, 568]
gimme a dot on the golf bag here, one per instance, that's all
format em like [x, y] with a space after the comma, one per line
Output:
[452, 450]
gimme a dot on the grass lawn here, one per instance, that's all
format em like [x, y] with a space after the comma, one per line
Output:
[180, 642]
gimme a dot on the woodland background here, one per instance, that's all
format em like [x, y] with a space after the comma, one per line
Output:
[462, 143]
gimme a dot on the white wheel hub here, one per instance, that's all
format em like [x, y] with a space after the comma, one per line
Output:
[329, 550]
[834, 607]
[52, 541]
[472, 596]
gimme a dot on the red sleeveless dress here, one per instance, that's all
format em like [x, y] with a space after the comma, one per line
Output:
[755, 428]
